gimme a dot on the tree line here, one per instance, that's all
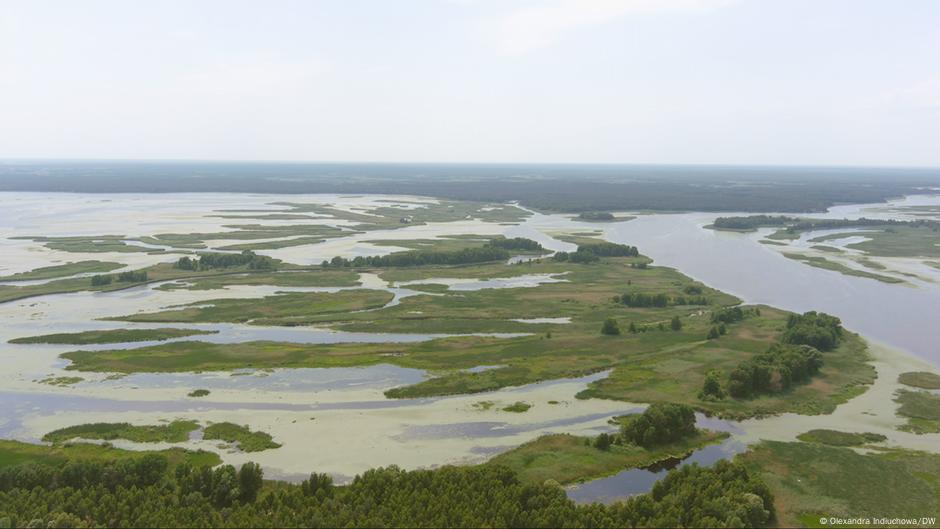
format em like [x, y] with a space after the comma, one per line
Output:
[422, 258]
[794, 224]
[207, 261]
[143, 492]
[132, 276]
[516, 243]
[659, 300]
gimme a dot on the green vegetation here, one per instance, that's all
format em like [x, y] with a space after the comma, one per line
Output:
[160, 272]
[610, 327]
[598, 216]
[61, 381]
[518, 407]
[837, 438]
[150, 490]
[196, 393]
[289, 278]
[112, 336]
[570, 459]
[247, 440]
[652, 366]
[423, 258]
[826, 264]
[774, 371]
[174, 432]
[14, 453]
[292, 308]
[809, 481]
[63, 270]
[661, 423]
[922, 410]
[920, 379]
[208, 261]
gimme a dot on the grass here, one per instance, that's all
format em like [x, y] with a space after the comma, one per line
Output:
[901, 241]
[288, 278]
[837, 438]
[174, 432]
[647, 367]
[247, 440]
[518, 407]
[64, 270]
[826, 264]
[15, 453]
[920, 379]
[922, 410]
[196, 393]
[810, 481]
[292, 308]
[111, 336]
[570, 459]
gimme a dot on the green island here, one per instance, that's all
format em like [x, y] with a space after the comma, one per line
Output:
[826, 264]
[173, 432]
[112, 336]
[196, 393]
[922, 410]
[920, 379]
[246, 440]
[884, 237]
[61, 381]
[837, 438]
[63, 270]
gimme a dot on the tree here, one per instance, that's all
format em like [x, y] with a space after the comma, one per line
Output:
[250, 480]
[711, 388]
[602, 441]
[675, 324]
[610, 327]
[632, 328]
[713, 333]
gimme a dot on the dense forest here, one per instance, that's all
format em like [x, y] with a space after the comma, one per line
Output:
[146, 492]
[774, 371]
[555, 187]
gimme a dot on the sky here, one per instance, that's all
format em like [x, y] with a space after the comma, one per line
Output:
[793, 82]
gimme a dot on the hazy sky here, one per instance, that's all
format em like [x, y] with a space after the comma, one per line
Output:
[646, 81]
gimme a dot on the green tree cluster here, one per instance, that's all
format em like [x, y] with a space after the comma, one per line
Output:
[143, 492]
[775, 370]
[423, 257]
[660, 423]
[208, 261]
[817, 329]
[516, 243]
[610, 327]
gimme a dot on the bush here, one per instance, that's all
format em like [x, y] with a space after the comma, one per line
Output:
[610, 327]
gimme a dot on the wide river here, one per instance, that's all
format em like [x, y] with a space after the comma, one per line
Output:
[311, 410]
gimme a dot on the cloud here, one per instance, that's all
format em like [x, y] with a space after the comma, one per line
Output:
[531, 28]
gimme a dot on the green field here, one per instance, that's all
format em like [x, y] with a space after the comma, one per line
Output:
[112, 336]
[174, 432]
[810, 481]
[64, 270]
[247, 440]
[570, 459]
